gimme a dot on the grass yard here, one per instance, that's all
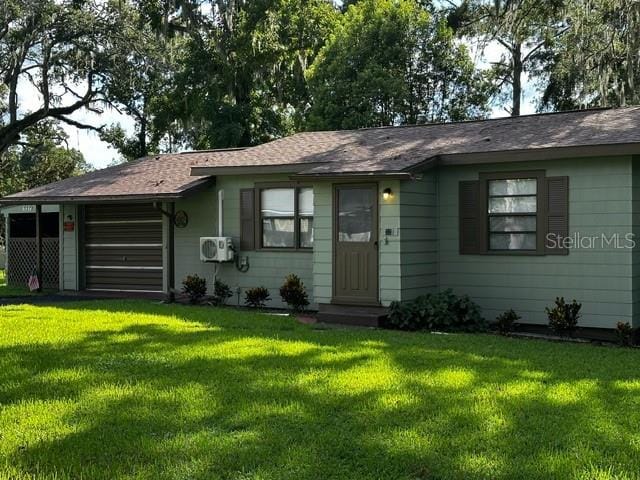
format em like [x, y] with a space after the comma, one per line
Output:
[136, 390]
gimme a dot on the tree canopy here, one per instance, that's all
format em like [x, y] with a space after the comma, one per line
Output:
[198, 74]
[64, 54]
[392, 62]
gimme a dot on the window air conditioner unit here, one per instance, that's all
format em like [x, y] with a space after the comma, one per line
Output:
[216, 249]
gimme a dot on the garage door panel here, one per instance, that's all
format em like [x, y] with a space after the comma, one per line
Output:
[146, 280]
[137, 233]
[145, 257]
[120, 212]
[123, 248]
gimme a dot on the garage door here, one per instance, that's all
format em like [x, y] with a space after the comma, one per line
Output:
[123, 248]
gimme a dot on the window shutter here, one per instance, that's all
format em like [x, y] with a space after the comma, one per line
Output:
[470, 217]
[557, 222]
[247, 219]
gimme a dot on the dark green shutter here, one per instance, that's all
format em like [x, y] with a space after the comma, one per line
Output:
[470, 217]
[557, 221]
[247, 219]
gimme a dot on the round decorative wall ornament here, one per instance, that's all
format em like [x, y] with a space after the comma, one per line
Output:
[180, 219]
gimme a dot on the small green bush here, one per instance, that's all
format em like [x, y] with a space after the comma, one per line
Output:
[256, 297]
[294, 294]
[563, 317]
[505, 322]
[221, 292]
[437, 311]
[625, 333]
[195, 287]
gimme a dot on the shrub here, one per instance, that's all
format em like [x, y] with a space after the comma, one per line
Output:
[563, 317]
[221, 292]
[256, 297]
[293, 293]
[195, 287]
[506, 321]
[437, 311]
[624, 332]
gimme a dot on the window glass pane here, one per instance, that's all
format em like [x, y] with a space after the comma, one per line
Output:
[512, 241]
[512, 224]
[277, 232]
[306, 232]
[515, 186]
[277, 202]
[355, 214]
[305, 202]
[512, 204]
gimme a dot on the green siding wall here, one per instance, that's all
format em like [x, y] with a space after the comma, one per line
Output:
[600, 201]
[636, 232]
[267, 268]
[389, 281]
[419, 236]
[390, 246]
[323, 245]
[421, 255]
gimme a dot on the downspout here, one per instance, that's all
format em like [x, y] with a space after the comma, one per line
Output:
[220, 212]
[171, 296]
[216, 267]
[171, 260]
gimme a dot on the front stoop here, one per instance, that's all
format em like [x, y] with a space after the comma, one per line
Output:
[363, 316]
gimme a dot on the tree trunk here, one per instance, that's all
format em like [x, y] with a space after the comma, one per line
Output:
[517, 80]
[142, 134]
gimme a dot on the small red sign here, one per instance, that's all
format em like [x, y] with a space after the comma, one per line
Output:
[69, 226]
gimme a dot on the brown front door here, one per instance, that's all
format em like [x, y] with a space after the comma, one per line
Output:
[355, 240]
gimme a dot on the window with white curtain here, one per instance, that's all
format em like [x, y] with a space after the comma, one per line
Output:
[286, 217]
[512, 209]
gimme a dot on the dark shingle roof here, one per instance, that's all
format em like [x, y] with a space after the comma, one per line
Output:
[372, 150]
[147, 178]
[393, 149]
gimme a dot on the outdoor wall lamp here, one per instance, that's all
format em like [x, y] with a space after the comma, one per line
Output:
[387, 194]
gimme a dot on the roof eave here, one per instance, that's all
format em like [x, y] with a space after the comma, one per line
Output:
[293, 168]
[353, 175]
[128, 198]
[539, 154]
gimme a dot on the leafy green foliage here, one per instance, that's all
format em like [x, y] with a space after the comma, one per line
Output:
[294, 293]
[221, 292]
[437, 311]
[506, 321]
[256, 297]
[42, 158]
[195, 288]
[239, 73]
[523, 29]
[563, 317]
[625, 334]
[596, 62]
[71, 52]
[391, 62]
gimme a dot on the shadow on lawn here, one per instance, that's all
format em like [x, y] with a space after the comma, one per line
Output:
[285, 401]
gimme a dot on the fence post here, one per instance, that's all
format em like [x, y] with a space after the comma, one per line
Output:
[39, 246]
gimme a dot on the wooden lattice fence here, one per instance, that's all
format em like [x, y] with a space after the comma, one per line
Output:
[21, 260]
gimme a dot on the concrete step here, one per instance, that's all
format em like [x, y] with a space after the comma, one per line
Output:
[365, 316]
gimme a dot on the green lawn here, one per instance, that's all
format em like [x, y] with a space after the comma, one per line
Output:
[138, 390]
